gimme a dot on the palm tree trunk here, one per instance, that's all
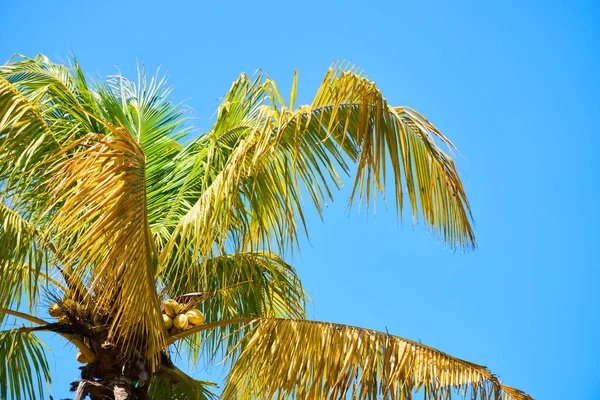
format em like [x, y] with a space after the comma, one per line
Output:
[117, 382]
[119, 388]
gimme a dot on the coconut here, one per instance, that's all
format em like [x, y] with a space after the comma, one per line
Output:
[195, 317]
[171, 307]
[168, 321]
[70, 304]
[56, 311]
[81, 358]
[181, 321]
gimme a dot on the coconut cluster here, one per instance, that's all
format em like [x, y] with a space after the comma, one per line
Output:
[67, 310]
[177, 319]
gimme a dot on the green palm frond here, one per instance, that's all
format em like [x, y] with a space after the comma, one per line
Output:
[244, 187]
[25, 139]
[144, 109]
[45, 326]
[172, 383]
[22, 315]
[242, 285]
[25, 370]
[60, 92]
[22, 259]
[317, 360]
[197, 171]
[28, 262]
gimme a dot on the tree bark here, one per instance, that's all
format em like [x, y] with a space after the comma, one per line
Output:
[115, 388]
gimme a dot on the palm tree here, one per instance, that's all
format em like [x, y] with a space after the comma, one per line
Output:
[122, 231]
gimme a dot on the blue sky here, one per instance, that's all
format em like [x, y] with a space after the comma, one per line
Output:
[515, 86]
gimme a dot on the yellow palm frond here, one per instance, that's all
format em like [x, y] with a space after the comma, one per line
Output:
[241, 285]
[315, 360]
[25, 138]
[59, 92]
[351, 111]
[244, 188]
[98, 209]
[25, 257]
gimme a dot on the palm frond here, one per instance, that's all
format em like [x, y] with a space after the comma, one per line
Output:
[25, 138]
[351, 111]
[316, 360]
[28, 262]
[22, 315]
[22, 260]
[243, 186]
[62, 329]
[25, 370]
[242, 285]
[172, 383]
[238, 190]
[34, 127]
[99, 217]
[199, 169]
[145, 110]
[61, 93]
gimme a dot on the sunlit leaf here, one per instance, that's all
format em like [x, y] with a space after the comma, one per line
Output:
[242, 285]
[172, 383]
[24, 371]
[315, 360]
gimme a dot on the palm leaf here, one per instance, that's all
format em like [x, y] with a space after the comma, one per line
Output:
[25, 257]
[22, 259]
[45, 326]
[25, 138]
[24, 367]
[61, 93]
[243, 188]
[172, 383]
[308, 359]
[350, 110]
[197, 171]
[144, 109]
[99, 217]
[242, 285]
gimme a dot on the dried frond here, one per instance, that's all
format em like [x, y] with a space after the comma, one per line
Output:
[351, 111]
[98, 208]
[316, 360]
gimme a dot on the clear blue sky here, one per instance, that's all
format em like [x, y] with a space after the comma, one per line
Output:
[514, 84]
